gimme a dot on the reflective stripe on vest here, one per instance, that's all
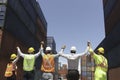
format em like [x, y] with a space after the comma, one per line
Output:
[103, 64]
[29, 61]
[9, 70]
[48, 64]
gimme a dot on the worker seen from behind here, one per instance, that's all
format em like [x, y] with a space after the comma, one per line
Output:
[101, 63]
[11, 69]
[73, 58]
[48, 63]
[28, 63]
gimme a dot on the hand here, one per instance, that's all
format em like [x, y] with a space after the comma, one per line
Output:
[63, 47]
[88, 43]
[42, 43]
[17, 47]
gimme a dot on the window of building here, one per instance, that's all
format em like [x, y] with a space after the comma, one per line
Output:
[2, 14]
[1, 23]
[2, 8]
[3, 1]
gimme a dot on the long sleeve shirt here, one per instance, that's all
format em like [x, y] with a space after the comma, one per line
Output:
[101, 66]
[23, 55]
[29, 59]
[73, 59]
[54, 55]
[14, 61]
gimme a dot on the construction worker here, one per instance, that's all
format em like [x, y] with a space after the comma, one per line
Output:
[48, 63]
[101, 63]
[11, 69]
[73, 58]
[28, 63]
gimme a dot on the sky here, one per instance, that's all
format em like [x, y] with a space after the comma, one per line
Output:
[74, 22]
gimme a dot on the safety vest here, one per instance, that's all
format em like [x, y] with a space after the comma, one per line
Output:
[9, 69]
[103, 65]
[101, 62]
[28, 63]
[48, 64]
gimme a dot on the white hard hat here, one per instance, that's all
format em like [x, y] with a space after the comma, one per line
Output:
[73, 48]
[48, 48]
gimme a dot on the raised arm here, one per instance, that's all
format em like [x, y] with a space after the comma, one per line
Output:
[90, 49]
[64, 55]
[40, 50]
[18, 56]
[86, 50]
[19, 52]
[61, 51]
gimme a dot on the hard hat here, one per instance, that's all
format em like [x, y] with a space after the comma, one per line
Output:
[73, 48]
[101, 50]
[13, 56]
[48, 48]
[31, 49]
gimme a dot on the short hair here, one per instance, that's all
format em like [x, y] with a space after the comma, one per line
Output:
[73, 75]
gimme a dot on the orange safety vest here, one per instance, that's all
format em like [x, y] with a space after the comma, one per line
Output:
[9, 69]
[48, 63]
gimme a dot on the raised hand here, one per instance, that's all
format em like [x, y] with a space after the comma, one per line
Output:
[63, 47]
[89, 44]
[42, 43]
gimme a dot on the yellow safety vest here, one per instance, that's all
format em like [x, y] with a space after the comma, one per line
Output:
[28, 63]
[101, 67]
[48, 64]
[101, 62]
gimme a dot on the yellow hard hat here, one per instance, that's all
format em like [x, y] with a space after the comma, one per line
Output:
[31, 49]
[13, 56]
[101, 50]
